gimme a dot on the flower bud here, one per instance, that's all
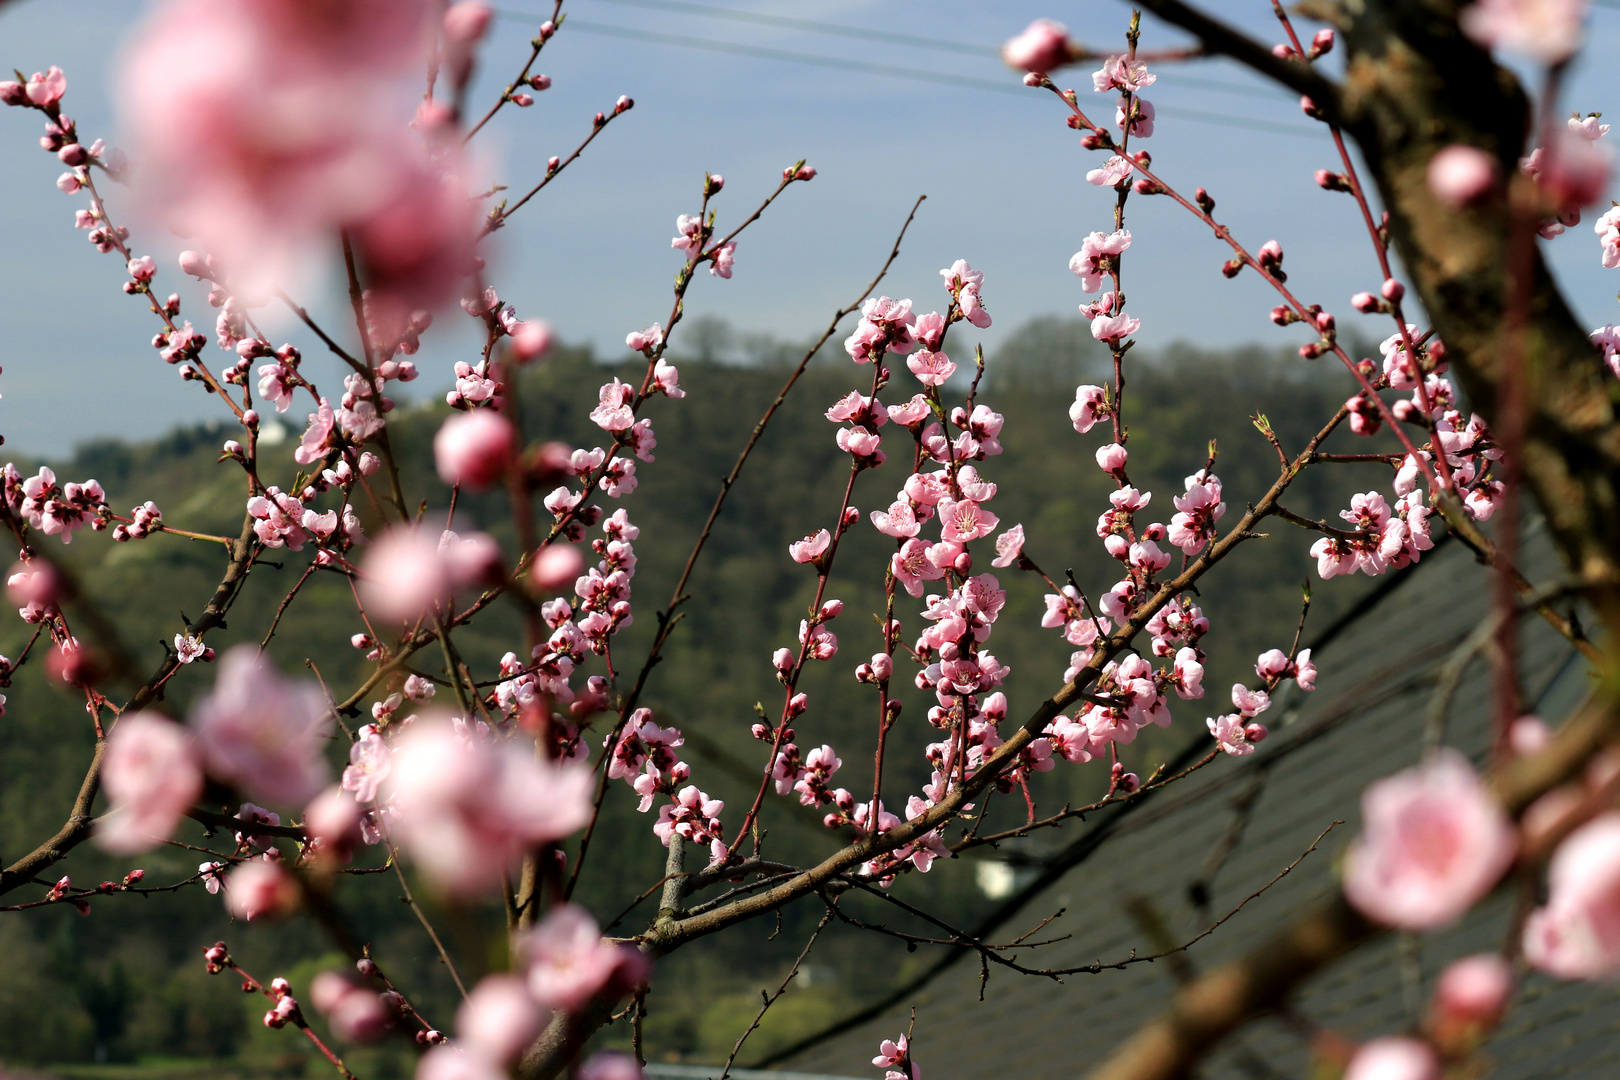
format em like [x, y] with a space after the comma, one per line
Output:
[1392, 290]
[782, 660]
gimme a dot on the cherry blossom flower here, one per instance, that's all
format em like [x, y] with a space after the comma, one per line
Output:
[811, 547]
[964, 520]
[931, 368]
[262, 732]
[648, 341]
[1113, 172]
[498, 1019]
[1394, 1059]
[466, 808]
[152, 774]
[1042, 47]
[899, 521]
[370, 760]
[566, 962]
[1607, 228]
[1462, 175]
[1473, 992]
[1122, 73]
[475, 448]
[1577, 934]
[614, 412]
[403, 576]
[1545, 30]
[1009, 547]
[1099, 253]
[260, 888]
[46, 88]
[1142, 114]
[1090, 406]
[722, 258]
[1230, 734]
[1434, 842]
[1607, 339]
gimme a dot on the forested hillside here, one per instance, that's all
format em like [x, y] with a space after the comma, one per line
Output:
[72, 991]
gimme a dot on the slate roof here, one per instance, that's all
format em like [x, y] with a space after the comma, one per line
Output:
[1365, 720]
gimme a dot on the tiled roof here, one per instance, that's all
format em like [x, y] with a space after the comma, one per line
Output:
[1366, 719]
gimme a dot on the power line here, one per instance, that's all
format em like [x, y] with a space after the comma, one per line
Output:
[891, 71]
[812, 26]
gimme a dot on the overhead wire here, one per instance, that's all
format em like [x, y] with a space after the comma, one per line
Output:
[897, 72]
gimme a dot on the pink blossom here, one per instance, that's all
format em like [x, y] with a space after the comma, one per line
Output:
[1607, 228]
[667, 379]
[689, 234]
[1607, 339]
[912, 566]
[614, 413]
[899, 521]
[475, 448]
[1115, 171]
[1009, 547]
[318, 438]
[1546, 30]
[467, 808]
[1099, 253]
[1574, 172]
[370, 760]
[1141, 117]
[811, 547]
[1230, 734]
[1462, 175]
[261, 732]
[403, 576]
[263, 170]
[646, 341]
[567, 962]
[931, 368]
[46, 88]
[1304, 670]
[1577, 934]
[1090, 406]
[499, 1018]
[962, 521]
[1111, 459]
[1394, 1059]
[721, 260]
[1111, 328]
[152, 775]
[1474, 990]
[259, 888]
[555, 567]
[609, 1065]
[1434, 842]
[1121, 73]
[531, 340]
[1042, 47]
[1249, 702]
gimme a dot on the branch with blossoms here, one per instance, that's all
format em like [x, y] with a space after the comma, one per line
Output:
[482, 790]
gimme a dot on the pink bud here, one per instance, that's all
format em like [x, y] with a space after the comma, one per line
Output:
[1474, 990]
[806, 172]
[624, 104]
[13, 93]
[1322, 43]
[540, 82]
[797, 705]
[531, 340]
[1364, 302]
[133, 878]
[73, 154]
[467, 22]
[366, 966]
[1462, 175]
[1392, 290]
[782, 660]
[715, 183]
[475, 448]
[761, 732]
[1282, 52]
[522, 101]
[1256, 732]
[1041, 48]
[1117, 545]
[1325, 322]
[1111, 458]
[832, 609]
[556, 568]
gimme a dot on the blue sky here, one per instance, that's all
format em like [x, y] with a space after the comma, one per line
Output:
[724, 86]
